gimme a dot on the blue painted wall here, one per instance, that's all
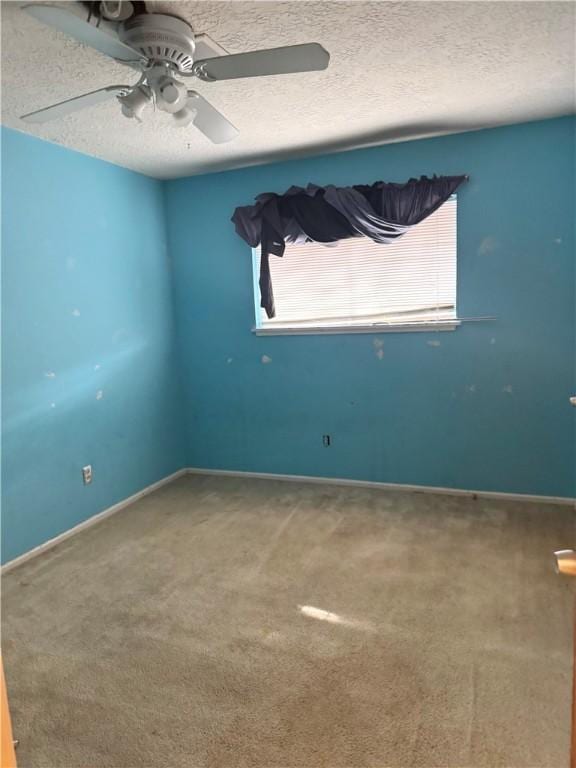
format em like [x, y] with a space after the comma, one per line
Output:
[89, 372]
[487, 409]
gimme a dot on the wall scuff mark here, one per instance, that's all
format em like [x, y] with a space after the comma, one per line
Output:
[488, 245]
[378, 345]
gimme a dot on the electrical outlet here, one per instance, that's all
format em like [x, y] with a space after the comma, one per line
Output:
[87, 474]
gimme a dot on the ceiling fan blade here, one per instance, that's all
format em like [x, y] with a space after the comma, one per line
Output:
[84, 32]
[274, 61]
[73, 105]
[209, 121]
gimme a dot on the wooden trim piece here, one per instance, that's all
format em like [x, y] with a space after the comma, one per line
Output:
[573, 739]
[7, 756]
[566, 561]
[566, 565]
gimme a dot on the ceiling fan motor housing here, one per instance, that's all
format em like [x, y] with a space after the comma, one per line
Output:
[160, 37]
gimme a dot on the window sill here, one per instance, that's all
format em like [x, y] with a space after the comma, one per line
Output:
[444, 325]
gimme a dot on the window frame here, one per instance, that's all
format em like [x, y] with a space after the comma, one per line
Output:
[447, 324]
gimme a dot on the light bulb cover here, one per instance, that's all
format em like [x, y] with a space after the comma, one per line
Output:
[171, 96]
[170, 93]
[134, 104]
[116, 10]
[184, 117]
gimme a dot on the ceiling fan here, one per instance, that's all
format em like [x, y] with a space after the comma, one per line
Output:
[160, 46]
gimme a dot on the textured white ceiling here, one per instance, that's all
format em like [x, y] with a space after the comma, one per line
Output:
[398, 70]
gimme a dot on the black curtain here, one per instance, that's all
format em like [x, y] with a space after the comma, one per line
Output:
[381, 211]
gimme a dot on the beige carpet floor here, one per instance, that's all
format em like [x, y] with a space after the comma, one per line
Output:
[238, 623]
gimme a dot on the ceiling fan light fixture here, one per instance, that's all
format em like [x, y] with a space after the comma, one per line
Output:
[116, 10]
[160, 45]
[184, 117]
[171, 96]
[134, 104]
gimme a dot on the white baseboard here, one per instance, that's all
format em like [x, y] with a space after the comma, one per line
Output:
[271, 476]
[90, 522]
[387, 486]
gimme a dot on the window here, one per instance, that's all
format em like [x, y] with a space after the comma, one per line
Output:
[357, 285]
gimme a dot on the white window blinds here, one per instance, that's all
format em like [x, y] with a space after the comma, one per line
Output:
[358, 282]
